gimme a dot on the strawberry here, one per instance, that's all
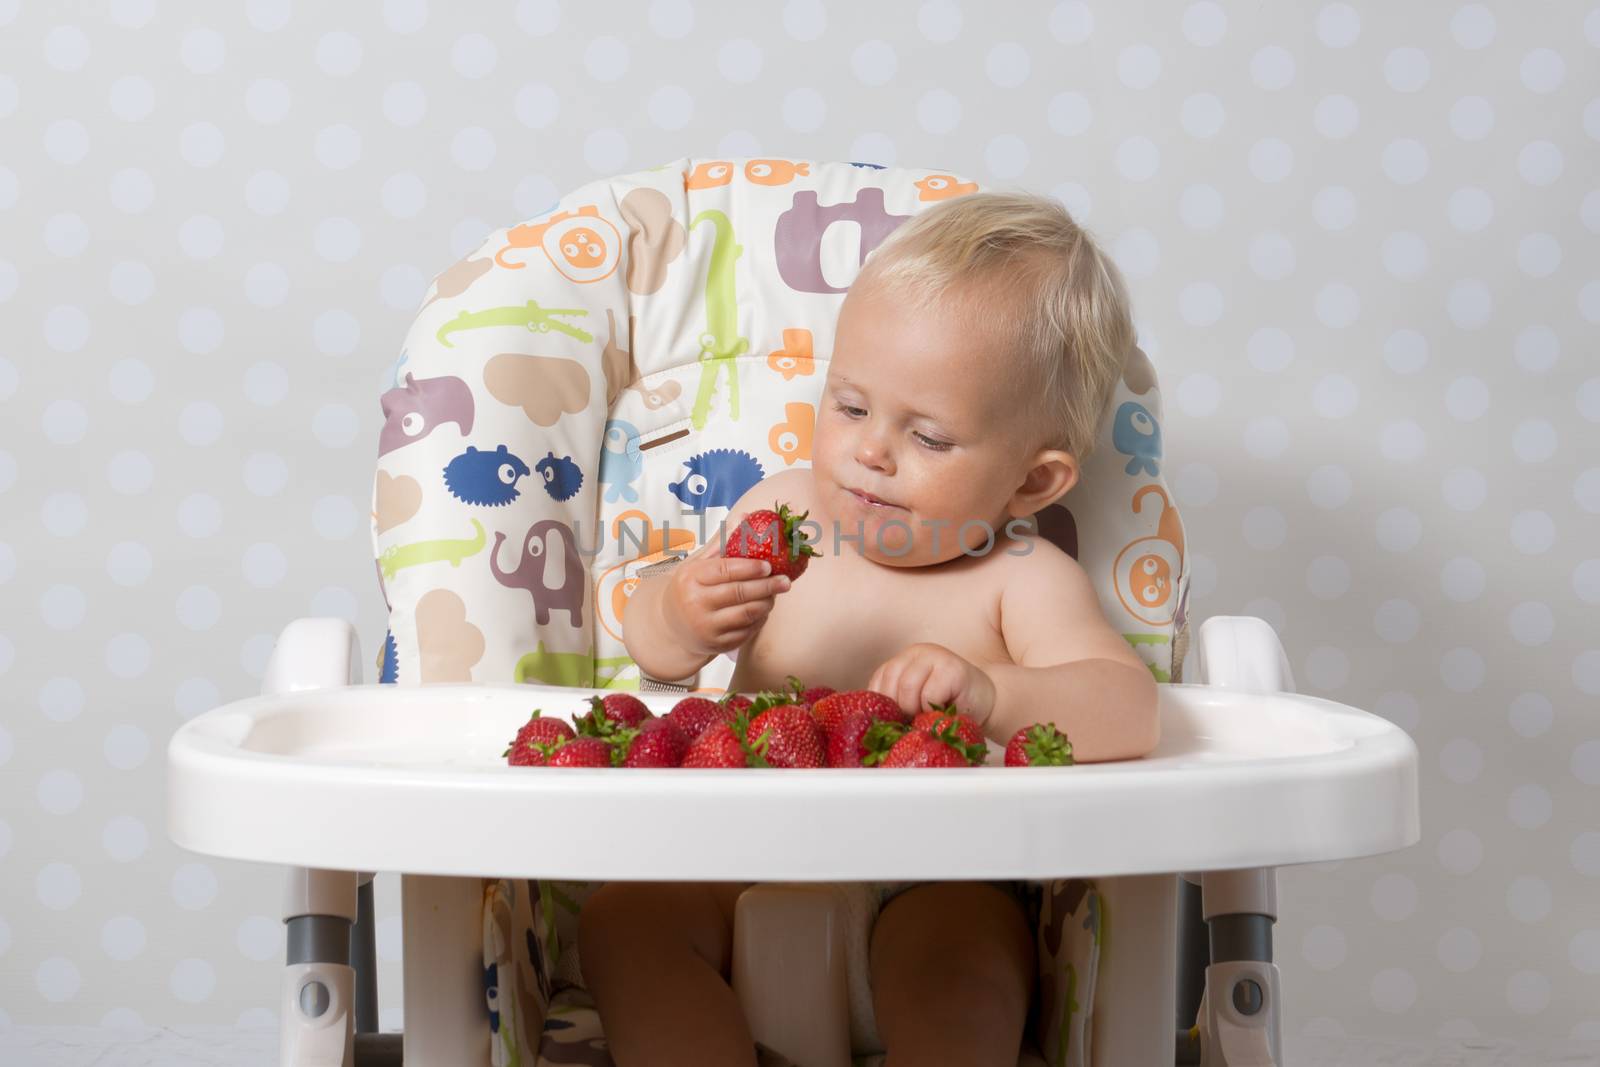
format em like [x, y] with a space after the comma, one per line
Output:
[860, 741]
[772, 536]
[736, 701]
[966, 728]
[788, 737]
[657, 743]
[721, 745]
[582, 752]
[834, 708]
[803, 695]
[927, 748]
[532, 745]
[613, 712]
[693, 714]
[1039, 745]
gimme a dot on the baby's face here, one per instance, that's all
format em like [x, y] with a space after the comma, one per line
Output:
[912, 414]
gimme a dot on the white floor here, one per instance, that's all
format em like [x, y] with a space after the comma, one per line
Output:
[194, 1046]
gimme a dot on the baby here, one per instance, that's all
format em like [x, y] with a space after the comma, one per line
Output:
[975, 356]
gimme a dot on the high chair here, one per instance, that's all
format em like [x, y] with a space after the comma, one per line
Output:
[583, 397]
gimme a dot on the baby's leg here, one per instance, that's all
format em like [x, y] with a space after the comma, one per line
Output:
[656, 957]
[952, 972]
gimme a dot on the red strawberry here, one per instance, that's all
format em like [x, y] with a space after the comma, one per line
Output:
[535, 739]
[926, 748]
[1039, 745]
[834, 708]
[721, 746]
[859, 741]
[658, 743]
[788, 737]
[613, 712]
[736, 701]
[582, 752]
[808, 697]
[693, 714]
[772, 536]
[966, 728]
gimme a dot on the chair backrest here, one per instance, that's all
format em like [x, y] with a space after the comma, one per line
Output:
[599, 384]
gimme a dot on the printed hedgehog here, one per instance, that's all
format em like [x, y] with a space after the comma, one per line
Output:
[717, 479]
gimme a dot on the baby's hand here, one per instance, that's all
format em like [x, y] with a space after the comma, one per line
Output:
[714, 603]
[922, 675]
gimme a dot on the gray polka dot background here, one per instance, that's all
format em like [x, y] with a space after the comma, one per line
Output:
[1361, 241]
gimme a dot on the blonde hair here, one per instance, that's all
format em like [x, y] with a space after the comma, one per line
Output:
[1054, 302]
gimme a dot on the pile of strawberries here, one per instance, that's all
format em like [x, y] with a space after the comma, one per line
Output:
[799, 727]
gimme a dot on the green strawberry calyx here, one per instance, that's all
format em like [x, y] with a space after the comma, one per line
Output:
[1045, 746]
[792, 540]
[879, 739]
[975, 753]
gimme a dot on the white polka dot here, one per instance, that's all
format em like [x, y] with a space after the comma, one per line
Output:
[1334, 208]
[1472, 118]
[334, 518]
[1466, 399]
[1540, 163]
[1137, 252]
[1397, 621]
[1459, 949]
[1583, 951]
[195, 695]
[1531, 714]
[804, 110]
[1007, 64]
[1006, 155]
[193, 980]
[1586, 581]
[670, 107]
[1266, 437]
[1534, 441]
[265, 473]
[125, 838]
[1336, 117]
[1584, 854]
[1204, 23]
[1070, 23]
[1473, 26]
[1528, 899]
[1272, 68]
[1590, 211]
[64, 514]
[63, 607]
[1461, 760]
[1543, 70]
[939, 111]
[337, 147]
[1069, 114]
[1323, 947]
[1461, 669]
[65, 422]
[1393, 990]
[126, 747]
[66, 48]
[1200, 207]
[672, 19]
[1196, 484]
[1405, 161]
[1394, 897]
[1532, 623]
[1271, 160]
[1405, 255]
[1200, 303]
[805, 20]
[1138, 66]
[537, 106]
[199, 515]
[1532, 532]
[1470, 210]
[338, 54]
[267, 101]
[260, 938]
[1399, 530]
[1586, 763]
[606, 59]
[1538, 255]
[130, 473]
[740, 60]
[61, 699]
[1462, 579]
[1138, 159]
[1272, 256]
[194, 886]
[60, 792]
[1337, 305]
[1270, 350]
[1530, 806]
[1202, 115]
[1406, 69]
[1335, 396]
[57, 979]
[1464, 489]
[58, 886]
[1402, 441]
[1460, 851]
[1537, 349]
[1528, 992]
[199, 608]
[265, 565]
[1328, 486]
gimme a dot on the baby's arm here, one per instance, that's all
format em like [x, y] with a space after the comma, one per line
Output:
[1068, 665]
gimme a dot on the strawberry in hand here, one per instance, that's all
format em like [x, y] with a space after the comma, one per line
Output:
[772, 536]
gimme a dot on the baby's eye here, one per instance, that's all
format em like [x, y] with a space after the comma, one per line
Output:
[848, 410]
[937, 446]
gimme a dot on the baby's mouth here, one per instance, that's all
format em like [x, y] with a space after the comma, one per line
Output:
[872, 501]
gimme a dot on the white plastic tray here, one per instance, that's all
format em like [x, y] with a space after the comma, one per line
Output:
[411, 779]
